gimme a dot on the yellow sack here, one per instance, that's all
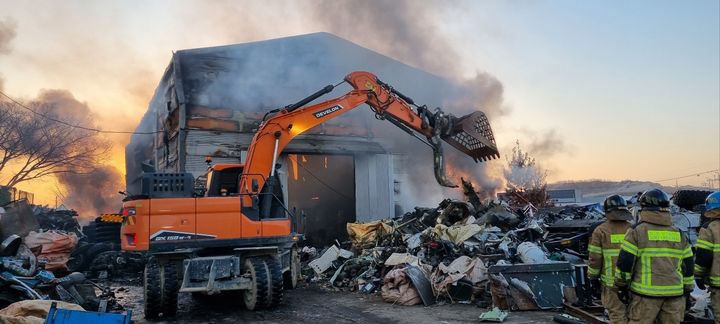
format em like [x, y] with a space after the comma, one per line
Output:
[31, 311]
[364, 235]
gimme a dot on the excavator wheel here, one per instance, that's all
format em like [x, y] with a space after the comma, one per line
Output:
[170, 289]
[152, 289]
[257, 296]
[275, 293]
[292, 276]
[160, 286]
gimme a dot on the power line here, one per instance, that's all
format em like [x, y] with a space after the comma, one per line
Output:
[71, 125]
[697, 174]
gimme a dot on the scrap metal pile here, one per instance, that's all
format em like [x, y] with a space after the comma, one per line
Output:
[464, 252]
[35, 249]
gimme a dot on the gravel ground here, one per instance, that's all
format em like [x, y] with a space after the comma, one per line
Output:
[311, 304]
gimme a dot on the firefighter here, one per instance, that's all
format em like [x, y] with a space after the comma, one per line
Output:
[707, 265]
[655, 265]
[604, 248]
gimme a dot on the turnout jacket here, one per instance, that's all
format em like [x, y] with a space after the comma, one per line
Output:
[707, 253]
[604, 247]
[655, 258]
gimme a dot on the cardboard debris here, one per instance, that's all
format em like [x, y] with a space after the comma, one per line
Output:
[456, 233]
[402, 258]
[326, 260]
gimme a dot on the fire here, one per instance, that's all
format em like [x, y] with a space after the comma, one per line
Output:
[294, 165]
[455, 173]
[487, 177]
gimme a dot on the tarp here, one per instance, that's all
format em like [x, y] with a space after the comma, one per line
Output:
[397, 289]
[365, 235]
[456, 233]
[31, 311]
[56, 247]
[463, 267]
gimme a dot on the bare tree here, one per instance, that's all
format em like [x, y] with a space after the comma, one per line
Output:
[34, 146]
[11, 144]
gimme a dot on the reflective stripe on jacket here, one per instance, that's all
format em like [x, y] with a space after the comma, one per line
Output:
[707, 258]
[655, 258]
[604, 249]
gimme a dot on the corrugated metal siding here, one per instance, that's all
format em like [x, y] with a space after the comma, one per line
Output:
[374, 194]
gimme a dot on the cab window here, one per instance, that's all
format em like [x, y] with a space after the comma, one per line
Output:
[224, 182]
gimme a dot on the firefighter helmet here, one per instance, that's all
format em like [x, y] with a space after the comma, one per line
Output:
[712, 201]
[654, 199]
[614, 202]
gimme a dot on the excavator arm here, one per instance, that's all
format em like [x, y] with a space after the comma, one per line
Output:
[470, 134]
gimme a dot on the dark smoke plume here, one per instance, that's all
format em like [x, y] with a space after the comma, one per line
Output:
[7, 34]
[92, 193]
[484, 92]
[402, 29]
[89, 188]
[547, 144]
[409, 31]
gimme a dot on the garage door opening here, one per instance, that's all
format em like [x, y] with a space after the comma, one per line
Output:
[323, 186]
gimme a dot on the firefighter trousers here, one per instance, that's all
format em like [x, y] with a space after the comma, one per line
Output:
[667, 310]
[715, 302]
[615, 308]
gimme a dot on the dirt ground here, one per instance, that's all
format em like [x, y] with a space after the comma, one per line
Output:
[311, 304]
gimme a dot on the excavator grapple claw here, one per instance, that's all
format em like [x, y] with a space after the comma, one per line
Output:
[472, 135]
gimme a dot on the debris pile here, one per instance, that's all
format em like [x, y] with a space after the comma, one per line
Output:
[36, 247]
[23, 275]
[54, 246]
[514, 257]
[57, 219]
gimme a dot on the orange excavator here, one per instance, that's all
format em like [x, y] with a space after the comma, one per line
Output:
[238, 235]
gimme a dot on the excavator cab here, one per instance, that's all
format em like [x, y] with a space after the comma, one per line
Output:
[222, 180]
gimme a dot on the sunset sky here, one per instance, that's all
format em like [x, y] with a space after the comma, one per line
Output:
[615, 89]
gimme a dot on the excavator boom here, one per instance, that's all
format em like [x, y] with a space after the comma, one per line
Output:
[470, 134]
